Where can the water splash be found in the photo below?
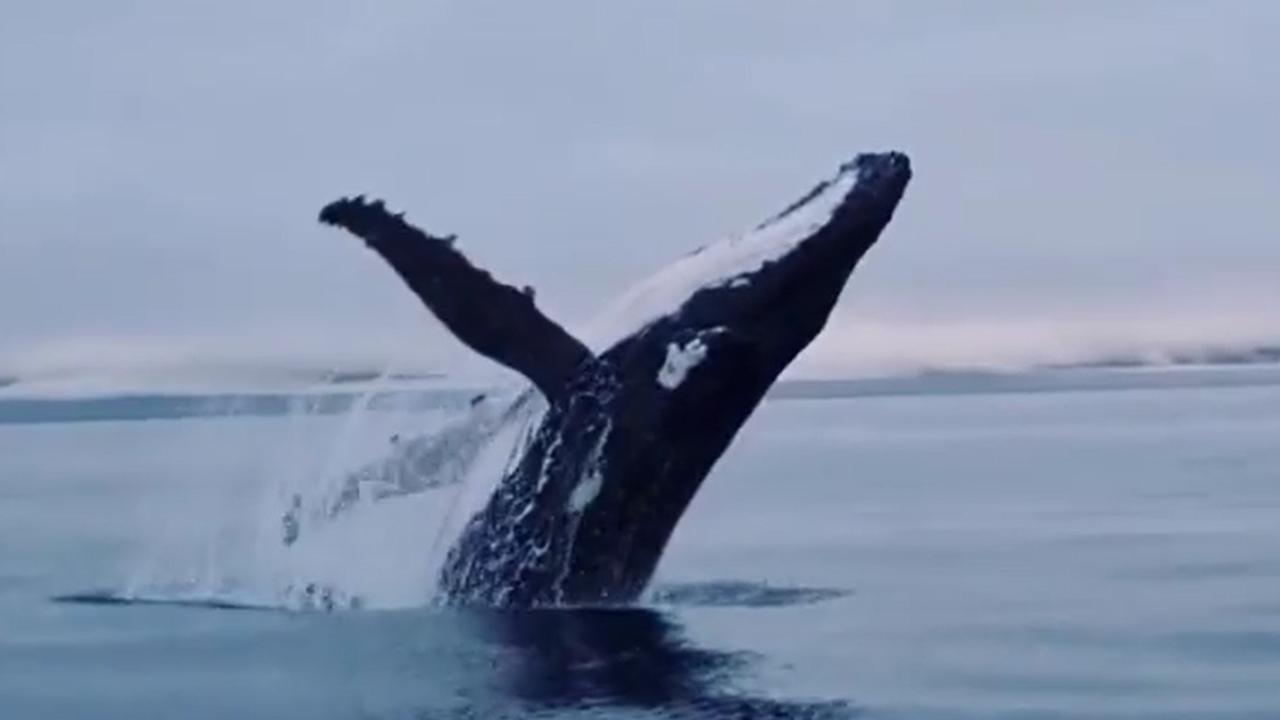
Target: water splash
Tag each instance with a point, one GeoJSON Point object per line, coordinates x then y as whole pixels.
{"type": "Point", "coordinates": [374, 495]}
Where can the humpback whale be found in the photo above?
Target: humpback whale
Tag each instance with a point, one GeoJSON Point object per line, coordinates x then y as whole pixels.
{"type": "Point", "coordinates": [633, 422]}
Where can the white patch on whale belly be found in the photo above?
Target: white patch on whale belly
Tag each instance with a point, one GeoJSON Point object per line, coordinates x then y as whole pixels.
{"type": "Point", "coordinates": [586, 491]}
{"type": "Point", "coordinates": [680, 360]}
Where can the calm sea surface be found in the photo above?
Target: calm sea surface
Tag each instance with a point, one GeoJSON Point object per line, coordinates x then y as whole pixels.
{"type": "Point", "coordinates": [1107, 553]}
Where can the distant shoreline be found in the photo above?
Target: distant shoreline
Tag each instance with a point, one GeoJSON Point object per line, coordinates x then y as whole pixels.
{"type": "Point", "coordinates": [341, 397]}
{"type": "Point", "coordinates": [305, 378]}
{"type": "Point", "coordinates": [1259, 355]}
{"type": "Point", "coordinates": [1077, 378]}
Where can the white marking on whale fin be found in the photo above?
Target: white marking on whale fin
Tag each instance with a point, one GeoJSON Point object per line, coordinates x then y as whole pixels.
{"type": "Point", "coordinates": [586, 491]}
{"type": "Point", "coordinates": [680, 360]}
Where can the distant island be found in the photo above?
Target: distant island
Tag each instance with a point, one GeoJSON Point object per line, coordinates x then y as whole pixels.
{"type": "Point", "coordinates": [1259, 355]}
{"type": "Point", "coordinates": [274, 388]}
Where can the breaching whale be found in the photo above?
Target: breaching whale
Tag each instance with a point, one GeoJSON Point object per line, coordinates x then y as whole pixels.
{"type": "Point", "coordinates": [631, 427]}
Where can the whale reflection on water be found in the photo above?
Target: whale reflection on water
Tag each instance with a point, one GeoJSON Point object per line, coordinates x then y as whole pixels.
{"type": "Point", "coordinates": [604, 661]}
{"type": "Point", "coordinates": [459, 662]}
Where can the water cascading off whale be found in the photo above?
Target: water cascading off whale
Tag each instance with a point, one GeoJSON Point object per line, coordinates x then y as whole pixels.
{"type": "Point", "coordinates": [630, 430]}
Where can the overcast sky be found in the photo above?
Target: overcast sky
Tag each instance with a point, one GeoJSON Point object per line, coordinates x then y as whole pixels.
{"type": "Point", "coordinates": [1086, 172]}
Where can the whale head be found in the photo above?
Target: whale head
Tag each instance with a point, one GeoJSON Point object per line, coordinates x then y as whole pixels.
{"type": "Point", "coordinates": [712, 332]}
{"type": "Point", "coordinates": [733, 314]}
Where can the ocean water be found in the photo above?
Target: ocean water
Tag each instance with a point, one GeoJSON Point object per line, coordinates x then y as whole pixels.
{"type": "Point", "coordinates": [1105, 552]}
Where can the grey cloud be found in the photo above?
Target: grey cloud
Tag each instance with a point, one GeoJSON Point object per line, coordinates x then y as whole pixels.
{"type": "Point", "coordinates": [161, 163]}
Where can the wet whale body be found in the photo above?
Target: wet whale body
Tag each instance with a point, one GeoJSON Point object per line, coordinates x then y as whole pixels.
{"type": "Point", "coordinates": [631, 428]}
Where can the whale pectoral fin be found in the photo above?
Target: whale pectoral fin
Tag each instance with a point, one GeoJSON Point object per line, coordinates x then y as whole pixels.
{"type": "Point", "coordinates": [498, 321]}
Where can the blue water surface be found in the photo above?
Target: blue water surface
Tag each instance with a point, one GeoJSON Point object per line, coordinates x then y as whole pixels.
{"type": "Point", "coordinates": [1097, 553]}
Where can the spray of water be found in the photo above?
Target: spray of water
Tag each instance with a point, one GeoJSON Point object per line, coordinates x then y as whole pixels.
{"type": "Point", "coordinates": [356, 509]}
